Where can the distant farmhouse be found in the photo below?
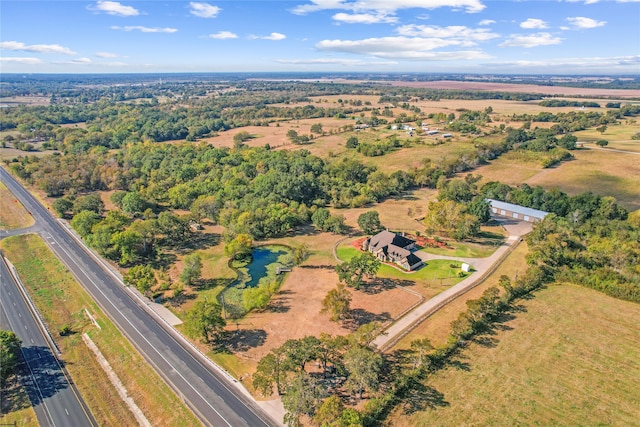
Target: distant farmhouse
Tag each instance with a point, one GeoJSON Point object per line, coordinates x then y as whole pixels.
{"type": "Point", "coordinates": [392, 247]}
{"type": "Point", "coordinates": [516, 211]}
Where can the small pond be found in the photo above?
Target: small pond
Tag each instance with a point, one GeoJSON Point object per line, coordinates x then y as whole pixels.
{"type": "Point", "coordinates": [265, 260]}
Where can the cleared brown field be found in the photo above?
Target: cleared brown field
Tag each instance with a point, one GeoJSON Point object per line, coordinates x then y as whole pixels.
{"type": "Point", "coordinates": [12, 213]}
{"type": "Point", "coordinates": [521, 88]}
{"type": "Point", "coordinates": [570, 356]}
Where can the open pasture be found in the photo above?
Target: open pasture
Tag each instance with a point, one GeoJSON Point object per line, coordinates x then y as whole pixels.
{"type": "Point", "coordinates": [569, 356]}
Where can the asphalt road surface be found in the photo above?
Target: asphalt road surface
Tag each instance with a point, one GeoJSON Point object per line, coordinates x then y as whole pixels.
{"type": "Point", "coordinates": [208, 392]}
{"type": "Point", "coordinates": [54, 400]}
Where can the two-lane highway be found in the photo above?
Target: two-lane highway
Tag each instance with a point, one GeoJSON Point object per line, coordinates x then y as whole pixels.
{"type": "Point", "coordinates": [209, 393]}
{"type": "Point", "coordinates": [54, 399]}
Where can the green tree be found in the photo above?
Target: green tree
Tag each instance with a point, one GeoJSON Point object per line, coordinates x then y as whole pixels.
{"type": "Point", "coordinates": [363, 366]}
{"type": "Point", "coordinates": [271, 370]}
{"type": "Point", "coordinates": [258, 297]}
{"type": "Point", "coordinates": [300, 352]}
{"type": "Point", "coordinates": [241, 137]}
{"type": "Point", "coordinates": [369, 222]}
{"type": "Point", "coordinates": [303, 397]}
{"type": "Point", "coordinates": [9, 355]}
{"type": "Point", "coordinates": [602, 129]}
{"type": "Point", "coordinates": [316, 128]}
{"type": "Point", "coordinates": [335, 224]}
{"type": "Point", "coordinates": [240, 247]}
{"type": "Point", "coordinates": [352, 273]}
{"type": "Point", "coordinates": [141, 277]}
{"type": "Point", "coordinates": [337, 302]}
{"type": "Point", "coordinates": [90, 202]}
{"type": "Point", "coordinates": [300, 253]}
{"type": "Point", "coordinates": [421, 349]}
{"type": "Point", "coordinates": [62, 206]}
{"type": "Point", "coordinates": [602, 143]}
{"type": "Point", "coordinates": [84, 221]}
{"type": "Point", "coordinates": [329, 412]}
{"type": "Point", "coordinates": [352, 142]}
{"type": "Point", "coordinates": [205, 320]}
{"type": "Point", "coordinates": [133, 203]}
{"type": "Point", "coordinates": [116, 198]}
{"type": "Point", "coordinates": [292, 135]}
{"type": "Point", "coordinates": [127, 244]}
{"type": "Point", "coordinates": [192, 269]}
{"type": "Point", "coordinates": [568, 141]}
{"type": "Point", "coordinates": [205, 207]}
{"type": "Point", "coordinates": [320, 216]}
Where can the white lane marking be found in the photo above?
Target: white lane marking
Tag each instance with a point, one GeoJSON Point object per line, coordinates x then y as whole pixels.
{"type": "Point", "coordinates": [142, 335]}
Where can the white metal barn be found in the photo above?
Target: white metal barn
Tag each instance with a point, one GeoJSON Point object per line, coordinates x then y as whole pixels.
{"type": "Point", "coordinates": [518, 212]}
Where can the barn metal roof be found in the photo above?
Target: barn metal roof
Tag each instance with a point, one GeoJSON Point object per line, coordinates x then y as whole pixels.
{"type": "Point", "coordinates": [535, 213]}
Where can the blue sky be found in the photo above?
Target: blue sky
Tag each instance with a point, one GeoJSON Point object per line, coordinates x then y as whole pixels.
{"type": "Point", "coordinates": [474, 36]}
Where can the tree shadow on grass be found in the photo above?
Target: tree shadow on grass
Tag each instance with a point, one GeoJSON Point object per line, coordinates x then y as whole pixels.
{"type": "Point", "coordinates": [419, 397]}
{"type": "Point", "coordinates": [280, 302]}
{"type": "Point", "coordinates": [242, 340]}
{"type": "Point", "coordinates": [359, 317]}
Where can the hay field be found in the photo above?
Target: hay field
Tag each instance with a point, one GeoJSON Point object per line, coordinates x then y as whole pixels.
{"type": "Point", "coordinates": [571, 356]}
{"type": "Point", "coordinates": [606, 173]}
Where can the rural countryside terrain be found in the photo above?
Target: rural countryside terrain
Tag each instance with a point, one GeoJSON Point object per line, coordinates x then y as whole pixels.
{"type": "Point", "coordinates": [320, 249]}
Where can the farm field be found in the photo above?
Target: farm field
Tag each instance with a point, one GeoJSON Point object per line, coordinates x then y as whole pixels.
{"type": "Point", "coordinates": [535, 367]}
{"type": "Point", "coordinates": [603, 172]}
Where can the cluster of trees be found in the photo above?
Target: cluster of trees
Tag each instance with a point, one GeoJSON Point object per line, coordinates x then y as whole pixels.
{"type": "Point", "coordinates": [9, 355]}
{"type": "Point", "coordinates": [566, 103]}
{"type": "Point", "coordinates": [348, 365]}
{"type": "Point", "coordinates": [459, 210]}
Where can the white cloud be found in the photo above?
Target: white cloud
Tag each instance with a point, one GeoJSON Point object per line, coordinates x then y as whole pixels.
{"type": "Point", "coordinates": [628, 1]}
{"type": "Point", "coordinates": [597, 62]}
{"type": "Point", "coordinates": [145, 29]}
{"type": "Point", "coordinates": [272, 36]}
{"type": "Point", "coordinates": [21, 60]}
{"type": "Point", "coordinates": [532, 23]}
{"type": "Point", "coordinates": [458, 32]}
{"type": "Point", "coordinates": [530, 40]}
{"type": "Point", "coordinates": [204, 10]}
{"type": "Point", "coordinates": [81, 61]}
{"type": "Point", "coordinates": [114, 8]}
{"type": "Point", "coordinates": [409, 48]}
{"type": "Point", "coordinates": [386, 6]}
{"type": "Point", "coordinates": [364, 18]}
{"type": "Point", "coordinates": [486, 22]}
{"type": "Point", "coordinates": [39, 48]}
{"type": "Point", "coordinates": [105, 55]}
{"type": "Point", "coordinates": [334, 61]}
{"type": "Point", "coordinates": [221, 35]}
{"type": "Point", "coordinates": [582, 22]}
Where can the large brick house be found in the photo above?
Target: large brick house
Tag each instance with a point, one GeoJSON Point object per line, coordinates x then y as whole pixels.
{"type": "Point", "coordinates": [392, 247]}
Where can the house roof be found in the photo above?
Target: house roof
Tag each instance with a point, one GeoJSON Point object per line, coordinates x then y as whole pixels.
{"type": "Point", "coordinates": [386, 238]}
{"type": "Point", "coordinates": [535, 213]}
{"type": "Point", "coordinates": [413, 259]}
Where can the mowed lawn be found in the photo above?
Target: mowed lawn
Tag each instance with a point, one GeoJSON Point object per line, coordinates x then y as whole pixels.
{"type": "Point", "coordinates": [571, 357]}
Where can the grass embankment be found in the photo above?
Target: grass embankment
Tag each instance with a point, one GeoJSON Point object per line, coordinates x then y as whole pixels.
{"type": "Point", "coordinates": [569, 357]}
{"type": "Point", "coordinates": [12, 213]}
{"type": "Point", "coordinates": [63, 302]}
{"type": "Point", "coordinates": [437, 327]}
{"type": "Point", "coordinates": [16, 408]}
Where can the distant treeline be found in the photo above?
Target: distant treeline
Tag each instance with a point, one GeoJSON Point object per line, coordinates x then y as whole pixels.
{"type": "Point", "coordinates": [565, 103]}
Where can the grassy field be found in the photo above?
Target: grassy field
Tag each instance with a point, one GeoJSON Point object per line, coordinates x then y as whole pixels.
{"type": "Point", "coordinates": [437, 326]}
{"type": "Point", "coordinates": [603, 172]}
{"type": "Point", "coordinates": [63, 302]}
{"type": "Point", "coordinates": [569, 357]}
{"type": "Point", "coordinates": [16, 408]}
{"type": "Point", "coordinates": [12, 213]}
